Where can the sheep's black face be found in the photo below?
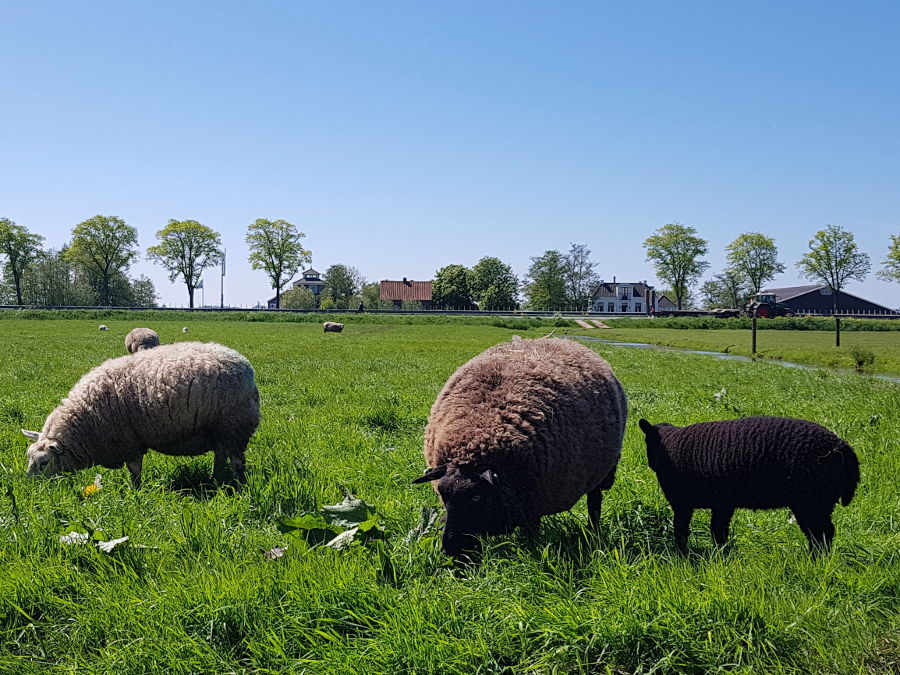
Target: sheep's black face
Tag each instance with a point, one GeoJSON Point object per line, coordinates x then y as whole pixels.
{"type": "Point", "coordinates": [474, 508]}
{"type": "Point", "coordinates": [655, 452]}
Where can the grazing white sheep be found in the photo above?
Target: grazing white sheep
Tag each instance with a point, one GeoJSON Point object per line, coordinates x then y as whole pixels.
{"type": "Point", "coordinates": [103, 326]}
{"type": "Point", "coordinates": [181, 399]}
{"type": "Point", "coordinates": [184, 330]}
{"type": "Point", "coordinates": [332, 327]}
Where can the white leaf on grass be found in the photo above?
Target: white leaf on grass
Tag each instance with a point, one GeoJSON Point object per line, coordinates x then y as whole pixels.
{"type": "Point", "coordinates": [343, 540]}
{"type": "Point", "coordinates": [74, 538]}
{"type": "Point", "coordinates": [108, 546]}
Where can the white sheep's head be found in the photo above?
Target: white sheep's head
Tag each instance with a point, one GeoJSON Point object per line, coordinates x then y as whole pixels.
{"type": "Point", "coordinates": [44, 455]}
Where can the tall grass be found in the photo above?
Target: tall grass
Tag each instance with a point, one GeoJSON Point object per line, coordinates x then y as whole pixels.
{"type": "Point", "coordinates": [192, 591]}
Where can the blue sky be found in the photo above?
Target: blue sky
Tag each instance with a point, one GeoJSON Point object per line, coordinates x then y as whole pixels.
{"type": "Point", "coordinates": [401, 136]}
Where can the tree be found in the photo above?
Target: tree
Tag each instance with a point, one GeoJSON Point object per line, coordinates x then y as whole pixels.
{"type": "Point", "coordinates": [493, 284]}
{"type": "Point", "coordinates": [275, 248]}
{"type": "Point", "coordinates": [728, 289]}
{"type": "Point", "coordinates": [185, 249]}
{"type": "Point", "coordinates": [675, 251]}
{"type": "Point", "coordinates": [834, 259]}
{"type": "Point", "coordinates": [545, 285]}
{"type": "Point", "coordinates": [371, 297]}
{"type": "Point", "coordinates": [890, 270]}
{"type": "Point", "coordinates": [581, 279]}
{"type": "Point", "coordinates": [342, 283]}
{"type": "Point", "coordinates": [20, 247]}
{"type": "Point", "coordinates": [755, 257]}
{"type": "Point", "coordinates": [450, 288]}
{"type": "Point", "coordinates": [298, 298]}
{"type": "Point", "coordinates": [143, 292]}
{"type": "Point", "coordinates": [104, 246]}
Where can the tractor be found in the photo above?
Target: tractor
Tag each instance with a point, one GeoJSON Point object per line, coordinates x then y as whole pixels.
{"type": "Point", "coordinates": [765, 306]}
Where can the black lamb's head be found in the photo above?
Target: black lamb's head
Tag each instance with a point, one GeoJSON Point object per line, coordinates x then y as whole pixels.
{"type": "Point", "coordinates": [474, 504]}
{"type": "Point", "coordinates": [656, 453]}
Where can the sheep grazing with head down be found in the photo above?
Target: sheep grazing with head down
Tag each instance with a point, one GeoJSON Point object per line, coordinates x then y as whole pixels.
{"type": "Point", "coordinates": [522, 431]}
{"type": "Point", "coordinates": [141, 338]}
{"type": "Point", "coordinates": [103, 326]}
{"type": "Point", "coordinates": [332, 327]}
{"type": "Point", "coordinates": [181, 399]}
{"type": "Point", "coordinates": [753, 463]}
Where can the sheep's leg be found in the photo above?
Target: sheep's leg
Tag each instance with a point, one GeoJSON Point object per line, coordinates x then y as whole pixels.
{"type": "Point", "coordinates": [594, 504]}
{"type": "Point", "coordinates": [818, 528]}
{"type": "Point", "coordinates": [682, 522]}
{"type": "Point", "coordinates": [237, 465]}
{"type": "Point", "coordinates": [721, 519]}
{"type": "Point", "coordinates": [532, 528]}
{"type": "Point", "coordinates": [134, 467]}
{"type": "Point", "coordinates": [220, 466]}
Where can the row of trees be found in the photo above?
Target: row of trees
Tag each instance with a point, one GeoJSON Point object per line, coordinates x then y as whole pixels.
{"type": "Point", "coordinates": [93, 268]}
{"type": "Point", "coordinates": [833, 260]}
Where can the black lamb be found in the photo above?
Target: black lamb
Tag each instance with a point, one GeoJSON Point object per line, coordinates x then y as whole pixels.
{"type": "Point", "coordinates": [754, 463]}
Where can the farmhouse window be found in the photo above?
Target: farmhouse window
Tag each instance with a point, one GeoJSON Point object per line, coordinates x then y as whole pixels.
{"type": "Point", "coordinates": [610, 307]}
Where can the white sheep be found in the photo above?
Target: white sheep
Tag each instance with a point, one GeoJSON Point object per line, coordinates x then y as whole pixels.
{"type": "Point", "coordinates": [332, 327]}
{"type": "Point", "coordinates": [103, 326]}
{"type": "Point", "coordinates": [180, 399]}
{"type": "Point", "coordinates": [184, 330]}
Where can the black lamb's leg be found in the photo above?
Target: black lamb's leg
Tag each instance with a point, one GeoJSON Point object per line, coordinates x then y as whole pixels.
{"type": "Point", "coordinates": [594, 504]}
{"type": "Point", "coordinates": [134, 468]}
{"type": "Point", "coordinates": [682, 522]}
{"type": "Point", "coordinates": [818, 528]}
{"type": "Point", "coordinates": [721, 518]}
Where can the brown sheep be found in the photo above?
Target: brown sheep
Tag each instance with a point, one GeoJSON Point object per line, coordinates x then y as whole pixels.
{"type": "Point", "coordinates": [522, 431]}
{"type": "Point", "coordinates": [141, 338]}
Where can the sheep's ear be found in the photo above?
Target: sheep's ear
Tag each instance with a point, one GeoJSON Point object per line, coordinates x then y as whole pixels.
{"type": "Point", "coordinates": [33, 435]}
{"type": "Point", "coordinates": [646, 427]}
{"type": "Point", "coordinates": [432, 474]}
{"type": "Point", "coordinates": [489, 476]}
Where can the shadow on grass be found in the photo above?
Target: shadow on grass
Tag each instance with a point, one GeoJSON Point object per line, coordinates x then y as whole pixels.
{"type": "Point", "coordinates": [194, 480]}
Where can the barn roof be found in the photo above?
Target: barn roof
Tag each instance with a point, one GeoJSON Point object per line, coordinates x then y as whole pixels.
{"type": "Point", "coordinates": [405, 290]}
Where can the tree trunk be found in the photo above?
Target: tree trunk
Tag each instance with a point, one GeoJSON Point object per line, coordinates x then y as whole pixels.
{"type": "Point", "coordinates": [278, 293]}
{"type": "Point", "coordinates": [17, 279]}
{"type": "Point", "coordinates": [190, 296]}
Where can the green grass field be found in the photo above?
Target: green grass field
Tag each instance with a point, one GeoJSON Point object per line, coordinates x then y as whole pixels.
{"type": "Point", "coordinates": [799, 346]}
{"type": "Point", "coordinates": [192, 592]}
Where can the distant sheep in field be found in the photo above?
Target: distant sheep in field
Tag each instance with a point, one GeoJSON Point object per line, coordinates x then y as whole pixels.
{"type": "Point", "coordinates": [754, 463]}
{"type": "Point", "coordinates": [332, 327]}
{"type": "Point", "coordinates": [522, 431]}
{"type": "Point", "coordinates": [103, 326]}
{"type": "Point", "coordinates": [141, 338]}
{"type": "Point", "coordinates": [180, 399]}
{"type": "Point", "coordinates": [184, 330]}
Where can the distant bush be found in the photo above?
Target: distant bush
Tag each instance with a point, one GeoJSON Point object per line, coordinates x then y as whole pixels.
{"type": "Point", "coordinates": [861, 356]}
{"type": "Point", "coordinates": [744, 323]}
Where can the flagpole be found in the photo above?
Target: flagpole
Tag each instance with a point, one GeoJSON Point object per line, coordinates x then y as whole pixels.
{"type": "Point", "coordinates": [222, 285]}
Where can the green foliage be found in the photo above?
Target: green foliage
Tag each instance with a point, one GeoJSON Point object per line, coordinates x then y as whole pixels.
{"type": "Point", "coordinates": [545, 285]}
{"type": "Point", "coordinates": [890, 270]}
{"type": "Point", "coordinates": [18, 249]}
{"type": "Point", "coordinates": [370, 296]}
{"type": "Point", "coordinates": [450, 288]}
{"type": "Point", "coordinates": [862, 356]}
{"type": "Point", "coordinates": [104, 246]}
{"type": "Point", "coordinates": [728, 289]}
{"type": "Point", "coordinates": [193, 590]}
{"type": "Point", "coordinates": [754, 257]}
{"type": "Point", "coordinates": [581, 277]}
{"type": "Point", "coordinates": [834, 259]}
{"type": "Point", "coordinates": [493, 284]}
{"type": "Point", "coordinates": [342, 286]}
{"type": "Point", "coordinates": [298, 298]}
{"type": "Point", "coordinates": [185, 249]}
{"type": "Point", "coordinates": [276, 249]}
{"type": "Point", "coordinates": [675, 252]}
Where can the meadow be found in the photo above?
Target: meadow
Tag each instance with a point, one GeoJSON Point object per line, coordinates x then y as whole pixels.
{"type": "Point", "coordinates": [192, 590]}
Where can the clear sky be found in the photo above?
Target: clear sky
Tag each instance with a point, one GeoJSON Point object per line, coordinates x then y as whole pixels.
{"type": "Point", "coordinates": [404, 136]}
